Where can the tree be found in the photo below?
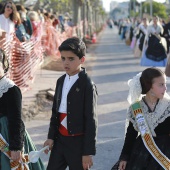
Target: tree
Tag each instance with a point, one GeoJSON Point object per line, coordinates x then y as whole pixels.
{"type": "Point", "coordinates": [158, 9]}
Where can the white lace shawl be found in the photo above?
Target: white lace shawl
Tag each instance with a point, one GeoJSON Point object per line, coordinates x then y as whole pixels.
{"type": "Point", "coordinates": [5, 84]}
{"type": "Point", "coordinates": [162, 111]}
{"type": "Point", "coordinates": [143, 28]}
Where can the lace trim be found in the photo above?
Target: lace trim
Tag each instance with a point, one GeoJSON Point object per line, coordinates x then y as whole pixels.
{"type": "Point", "coordinates": [162, 111]}
{"type": "Point", "coordinates": [143, 29]}
{"type": "Point", "coordinates": [5, 84]}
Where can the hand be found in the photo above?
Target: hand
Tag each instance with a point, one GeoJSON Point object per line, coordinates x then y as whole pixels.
{"type": "Point", "coordinates": [87, 162]}
{"type": "Point", "coordinates": [50, 143]}
{"type": "Point", "coordinates": [16, 156]}
{"type": "Point", "coordinates": [122, 165]}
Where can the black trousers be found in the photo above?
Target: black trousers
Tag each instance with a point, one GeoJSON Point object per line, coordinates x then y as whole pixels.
{"type": "Point", "coordinates": [66, 152]}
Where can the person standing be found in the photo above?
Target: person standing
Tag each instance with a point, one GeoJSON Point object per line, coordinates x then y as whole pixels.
{"type": "Point", "coordinates": [147, 140]}
{"type": "Point", "coordinates": [73, 124]}
{"type": "Point", "coordinates": [8, 17]}
{"type": "Point", "coordinates": [12, 127]}
{"type": "Point", "coordinates": [154, 49]}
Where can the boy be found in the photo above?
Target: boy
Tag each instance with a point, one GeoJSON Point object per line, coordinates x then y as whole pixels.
{"type": "Point", "coordinates": [73, 124]}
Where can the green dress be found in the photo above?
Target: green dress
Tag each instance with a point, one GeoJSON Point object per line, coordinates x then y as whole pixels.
{"type": "Point", "coordinates": [28, 147]}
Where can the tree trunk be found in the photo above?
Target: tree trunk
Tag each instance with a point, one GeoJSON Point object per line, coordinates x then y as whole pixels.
{"type": "Point", "coordinates": [76, 14]}
{"type": "Point", "coordinates": [21, 2]}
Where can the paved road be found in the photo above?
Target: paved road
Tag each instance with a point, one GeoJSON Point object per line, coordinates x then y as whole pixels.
{"type": "Point", "coordinates": [110, 65]}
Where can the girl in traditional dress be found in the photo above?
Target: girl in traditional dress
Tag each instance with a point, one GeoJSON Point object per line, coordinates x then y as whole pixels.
{"type": "Point", "coordinates": [12, 127]}
{"type": "Point", "coordinates": [142, 30]}
{"type": "Point", "coordinates": [8, 18]}
{"type": "Point", "coordinates": [154, 49]}
{"type": "Point", "coordinates": [148, 91]}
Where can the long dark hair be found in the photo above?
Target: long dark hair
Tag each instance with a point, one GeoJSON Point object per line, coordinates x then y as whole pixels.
{"type": "Point", "coordinates": [12, 16]}
{"type": "Point", "coordinates": [147, 77]}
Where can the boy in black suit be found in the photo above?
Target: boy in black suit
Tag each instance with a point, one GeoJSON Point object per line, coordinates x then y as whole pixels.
{"type": "Point", "coordinates": [73, 124]}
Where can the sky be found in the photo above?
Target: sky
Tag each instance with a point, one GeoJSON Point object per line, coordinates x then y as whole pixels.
{"type": "Point", "coordinates": [106, 3]}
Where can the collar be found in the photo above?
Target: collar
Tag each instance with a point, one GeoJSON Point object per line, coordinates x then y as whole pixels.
{"type": "Point", "coordinates": [80, 74]}
{"type": "Point", "coordinates": [5, 84]}
{"type": "Point", "coordinates": [161, 112]}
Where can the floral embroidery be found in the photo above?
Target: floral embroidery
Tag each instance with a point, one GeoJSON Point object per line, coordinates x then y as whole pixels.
{"type": "Point", "coordinates": [161, 112]}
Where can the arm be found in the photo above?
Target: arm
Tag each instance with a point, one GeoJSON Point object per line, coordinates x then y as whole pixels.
{"type": "Point", "coordinates": [90, 117]}
{"type": "Point", "coordinates": [53, 129]}
{"type": "Point", "coordinates": [89, 144]}
{"type": "Point", "coordinates": [29, 26]}
{"type": "Point", "coordinates": [52, 133]}
{"type": "Point", "coordinates": [130, 138]}
{"type": "Point", "coordinates": [15, 124]}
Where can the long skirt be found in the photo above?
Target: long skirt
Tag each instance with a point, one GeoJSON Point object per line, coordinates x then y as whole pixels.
{"type": "Point", "coordinates": [148, 62]}
{"type": "Point", "coordinates": [156, 49]}
{"type": "Point", "coordinates": [28, 147]}
{"type": "Point", "coordinates": [141, 159]}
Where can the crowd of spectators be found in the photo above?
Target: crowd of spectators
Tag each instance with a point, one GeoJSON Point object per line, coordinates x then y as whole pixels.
{"type": "Point", "coordinates": [27, 36]}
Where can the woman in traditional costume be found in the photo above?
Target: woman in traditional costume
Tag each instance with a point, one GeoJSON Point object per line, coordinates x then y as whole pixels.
{"type": "Point", "coordinates": [147, 140]}
{"type": "Point", "coordinates": [140, 36]}
{"type": "Point", "coordinates": [154, 50]}
{"type": "Point", "coordinates": [142, 32]}
{"type": "Point", "coordinates": [12, 127]}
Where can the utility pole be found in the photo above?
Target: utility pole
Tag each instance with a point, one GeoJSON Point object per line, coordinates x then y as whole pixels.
{"type": "Point", "coordinates": [76, 6]}
{"type": "Point", "coordinates": [130, 5]}
{"type": "Point", "coordinates": [151, 8]}
{"type": "Point", "coordinates": [134, 5]}
{"type": "Point", "coordinates": [84, 18]}
{"type": "Point", "coordinates": [141, 9]}
{"type": "Point", "coordinates": [21, 2]}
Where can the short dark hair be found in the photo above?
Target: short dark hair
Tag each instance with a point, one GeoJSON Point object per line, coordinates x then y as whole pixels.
{"type": "Point", "coordinates": [75, 45]}
{"type": "Point", "coordinates": [147, 77]}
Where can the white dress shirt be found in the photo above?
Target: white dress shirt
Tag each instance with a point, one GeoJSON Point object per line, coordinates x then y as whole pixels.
{"type": "Point", "coordinates": [68, 83]}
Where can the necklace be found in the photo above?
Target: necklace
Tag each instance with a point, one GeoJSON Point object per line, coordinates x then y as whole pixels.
{"type": "Point", "coordinates": [150, 104]}
{"type": "Point", "coordinates": [153, 106]}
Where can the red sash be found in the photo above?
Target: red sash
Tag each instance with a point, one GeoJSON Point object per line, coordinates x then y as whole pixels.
{"type": "Point", "coordinates": [62, 129]}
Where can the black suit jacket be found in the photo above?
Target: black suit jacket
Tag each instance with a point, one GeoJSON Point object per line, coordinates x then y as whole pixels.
{"type": "Point", "coordinates": [81, 111]}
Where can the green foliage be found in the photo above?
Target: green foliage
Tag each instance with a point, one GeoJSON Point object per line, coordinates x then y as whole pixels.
{"type": "Point", "coordinates": [133, 13]}
{"type": "Point", "coordinates": [158, 9]}
{"type": "Point", "coordinates": [61, 5]}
